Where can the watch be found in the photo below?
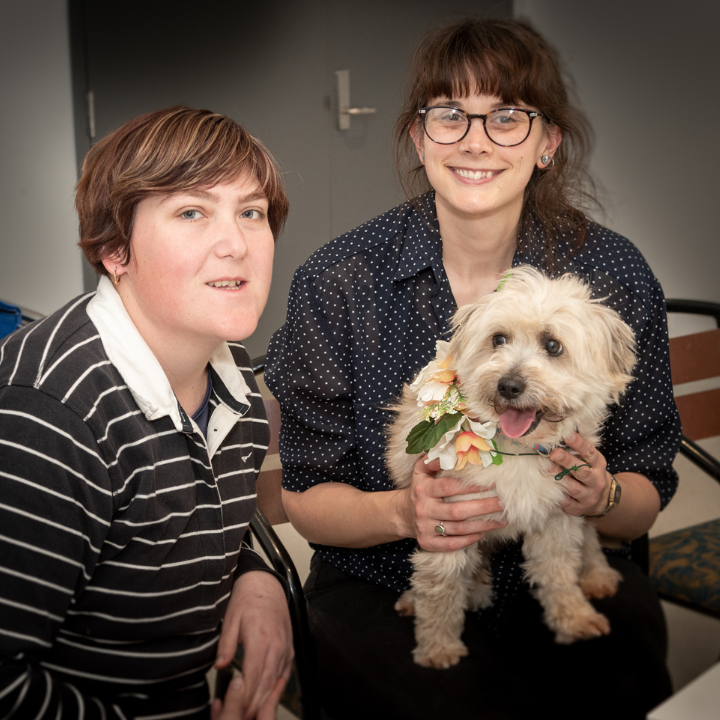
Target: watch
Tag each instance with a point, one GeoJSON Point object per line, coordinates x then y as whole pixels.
{"type": "Point", "coordinates": [613, 498]}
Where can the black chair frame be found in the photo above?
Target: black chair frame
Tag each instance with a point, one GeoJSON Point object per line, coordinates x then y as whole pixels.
{"type": "Point", "coordinates": [281, 562]}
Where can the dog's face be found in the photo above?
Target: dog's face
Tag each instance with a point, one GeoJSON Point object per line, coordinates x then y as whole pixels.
{"type": "Point", "coordinates": [541, 358]}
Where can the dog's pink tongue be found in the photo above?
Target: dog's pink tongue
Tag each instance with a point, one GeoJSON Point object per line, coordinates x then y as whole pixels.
{"type": "Point", "coordinates": [515, 423]}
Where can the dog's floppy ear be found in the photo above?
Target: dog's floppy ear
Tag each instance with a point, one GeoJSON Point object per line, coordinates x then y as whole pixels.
{"type": "Point", "coordinates": [617, 346]}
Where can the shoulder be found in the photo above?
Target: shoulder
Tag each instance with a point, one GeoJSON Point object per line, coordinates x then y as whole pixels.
{"type": "Point", "coordinates": [620, 276]}
{"type": "Point", "coordinates": [60, 356]}
{"type": "Point", "coordinates": [614, 255]}
{"type": "Point", "coordinates": [30, 355]}
{"type": "Point", "coordinates": [372, 238]}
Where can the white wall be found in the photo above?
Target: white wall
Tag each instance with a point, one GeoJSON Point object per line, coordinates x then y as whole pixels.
{"type": "Point", "coordinates": [646, 74]}
{"type": "Point", "coordinates": [40, 264]}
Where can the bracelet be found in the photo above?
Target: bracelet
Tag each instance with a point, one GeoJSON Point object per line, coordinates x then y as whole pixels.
{"type": "Point", "coordinates": [613, 497]}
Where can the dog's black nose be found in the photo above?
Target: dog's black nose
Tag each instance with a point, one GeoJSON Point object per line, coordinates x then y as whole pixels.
{"type": "Point", "coordinates": [511, 386]}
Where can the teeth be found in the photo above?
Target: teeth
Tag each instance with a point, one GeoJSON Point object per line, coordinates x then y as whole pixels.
{"type": "Point", "coordinates": [226, 283]}
{"type": "Point", "coordinates": [478, 175]}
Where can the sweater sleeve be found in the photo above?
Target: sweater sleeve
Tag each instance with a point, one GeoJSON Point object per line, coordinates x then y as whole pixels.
{"type": "Point", "coordinates": [644, 433]}
{"type": "Point", "coordinates": [55, 508]}
{"type": "Point", "coordinates": [309, 370]}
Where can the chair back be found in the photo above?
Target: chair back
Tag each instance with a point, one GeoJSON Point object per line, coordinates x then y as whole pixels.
{"type": "Point", "coordinates": [269, 489]}
{"type": "Point", "coordinates": [692, 358]}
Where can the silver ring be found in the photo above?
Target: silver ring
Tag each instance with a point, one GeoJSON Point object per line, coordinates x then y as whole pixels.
{"type": "Point", "coordinates": [440, 529]}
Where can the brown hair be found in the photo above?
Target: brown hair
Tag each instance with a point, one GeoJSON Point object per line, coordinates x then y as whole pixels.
{"type": "Point", "coordinates": [508, 59]}
{"type": "Point", "coordinates": [166, 151]}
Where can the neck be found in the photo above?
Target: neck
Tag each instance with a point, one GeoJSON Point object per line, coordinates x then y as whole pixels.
{"type": "Point", "coordinates": [184, 362]}
{"type": "Point", "coordinates": [477, 251]}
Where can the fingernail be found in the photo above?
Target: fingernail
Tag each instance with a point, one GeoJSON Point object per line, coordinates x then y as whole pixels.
{"type": "Point", "coordinates": [570, 437]}
{"type": "Point", "coordinates": [219, 660]}
{"type": "Point", "coordinates": [236, 683]}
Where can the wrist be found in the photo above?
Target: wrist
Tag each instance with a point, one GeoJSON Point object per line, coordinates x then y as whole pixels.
{"type": "Point", "coordinates": [402, 516]}
{"type": "Point", "coordinates": [612, 498]}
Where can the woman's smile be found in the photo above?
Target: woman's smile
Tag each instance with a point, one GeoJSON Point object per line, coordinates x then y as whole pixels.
{"type": "Point", "coordinates": [467, 174]}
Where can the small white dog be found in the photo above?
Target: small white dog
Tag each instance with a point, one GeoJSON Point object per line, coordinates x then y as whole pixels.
{"type": "Point", "coordinates": [527, 365]}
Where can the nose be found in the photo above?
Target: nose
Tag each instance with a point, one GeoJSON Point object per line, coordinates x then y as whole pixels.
{"type": "Point", "coordinates": [511, 386]}
{"type": "Point", "coordinates": [476, 139]}
{"type": "Point", "coordinates": [230, 238]}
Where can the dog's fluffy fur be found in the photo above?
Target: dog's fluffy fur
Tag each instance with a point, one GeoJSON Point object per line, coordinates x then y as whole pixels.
{"type": "Point", "coordinates": [569, 392]}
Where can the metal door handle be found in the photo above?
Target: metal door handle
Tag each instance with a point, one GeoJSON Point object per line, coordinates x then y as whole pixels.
{"type": "Point", "coordinates": [359, 111]}
{"type": "Point", "coordinates": [344, 109]}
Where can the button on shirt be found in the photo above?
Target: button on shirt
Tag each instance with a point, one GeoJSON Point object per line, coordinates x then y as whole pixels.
{"type": "Point", "coordinates": [364, 314]}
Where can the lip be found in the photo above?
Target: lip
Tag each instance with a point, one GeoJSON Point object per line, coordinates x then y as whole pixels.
{"type": "Point", "coordinates": [475, 175]}
{"type": "Point", "coordinates": [229, 284]}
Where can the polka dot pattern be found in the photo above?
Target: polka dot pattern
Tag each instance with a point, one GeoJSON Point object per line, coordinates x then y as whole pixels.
{"type": "Point", "coordinates": [363, 316]}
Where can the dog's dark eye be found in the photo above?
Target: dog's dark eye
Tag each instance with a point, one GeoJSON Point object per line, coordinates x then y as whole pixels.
{"type": "Point", "coordinates": [553, 347]}
{"type": "Point", "coordinates": [499, 340]}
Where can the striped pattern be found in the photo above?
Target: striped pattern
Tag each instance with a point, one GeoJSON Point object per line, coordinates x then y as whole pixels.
{"type": "Point", "coordinates": [119, 537]}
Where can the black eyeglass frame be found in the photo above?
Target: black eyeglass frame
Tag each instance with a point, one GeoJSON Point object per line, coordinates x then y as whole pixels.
{"type": "Point", "coordinates": [532, 114]}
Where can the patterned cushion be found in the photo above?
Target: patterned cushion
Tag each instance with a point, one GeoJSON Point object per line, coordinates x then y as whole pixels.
{"type": "Point", "coordinates": [685, 565]}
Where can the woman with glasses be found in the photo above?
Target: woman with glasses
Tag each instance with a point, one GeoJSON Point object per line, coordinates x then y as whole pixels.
{"type": "Point", "coordinates": [492, 154]}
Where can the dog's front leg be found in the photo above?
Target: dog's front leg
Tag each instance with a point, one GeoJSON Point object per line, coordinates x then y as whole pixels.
{"type": "Point", "coordinates": [440, 587]}
{"type": "Point", "coordinates": [553, 561]}
{"type": "Point", "coordinates": [597, 578]}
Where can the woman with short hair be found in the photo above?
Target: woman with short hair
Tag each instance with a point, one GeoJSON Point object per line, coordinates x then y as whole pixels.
{"type": "Point", "coordinates": [131, 433]}
{"type": "Point", "coordinates": [490, 140]}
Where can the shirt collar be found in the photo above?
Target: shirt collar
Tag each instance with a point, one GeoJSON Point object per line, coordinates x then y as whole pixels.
{"type": "Point", "coordinates": [422, 247]}
{"type": "Point", "coordinates": [142, 372]}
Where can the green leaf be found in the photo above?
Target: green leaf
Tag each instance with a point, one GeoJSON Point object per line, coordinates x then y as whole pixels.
{"type": "Point", "coordinates": [427, 434]}
{"type": "Point", "coordinates": [496, 457]}
{"type": "Point", "coordinates": [415, 437]}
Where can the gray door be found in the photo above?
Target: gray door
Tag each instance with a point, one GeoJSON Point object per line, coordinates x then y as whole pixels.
{"type": "Point", "coordinates": [271, 66]}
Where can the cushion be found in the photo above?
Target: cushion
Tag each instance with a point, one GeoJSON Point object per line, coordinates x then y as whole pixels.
{"type": "Point", "coordinates": [685, 565]}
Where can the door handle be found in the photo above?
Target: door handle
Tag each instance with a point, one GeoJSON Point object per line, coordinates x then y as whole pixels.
{"type": "Point", "coordinates": [345, 112]}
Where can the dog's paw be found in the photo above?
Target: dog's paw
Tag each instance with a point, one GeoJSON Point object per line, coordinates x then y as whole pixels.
{"type": "Point", "coordinates": [405, 605]}
{"type": "Point", "coordinates": [441, 658]}
{"type": "Point", "coordinates": [600, 582]}
{"type": "Point", "coordinates": [584, 625]}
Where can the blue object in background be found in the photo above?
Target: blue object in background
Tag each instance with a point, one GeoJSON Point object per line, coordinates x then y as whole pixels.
{"type": "Point", "coordinates": [10, 318]}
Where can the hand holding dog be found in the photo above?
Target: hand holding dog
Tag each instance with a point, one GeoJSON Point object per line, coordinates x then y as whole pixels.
{"type": "Point", "coordinates": [464, 522]}
{"type": "Point", "coordinates": [587, 488]}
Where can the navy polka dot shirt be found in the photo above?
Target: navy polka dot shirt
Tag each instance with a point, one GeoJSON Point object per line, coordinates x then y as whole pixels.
{"type": "Point", "coordinates": [363, 316]}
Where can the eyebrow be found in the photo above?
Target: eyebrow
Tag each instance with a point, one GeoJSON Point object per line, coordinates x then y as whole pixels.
{"type": "Point", "coordinates": [459, 104]}
{"type": "Point", "coordinates": [214, 197]}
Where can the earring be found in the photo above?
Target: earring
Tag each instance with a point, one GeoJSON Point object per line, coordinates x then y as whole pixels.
{"type": "Point", "coordinates": [116, 279]}
{"type": "Point", "coordinates": [545, 159]}
{"type": "Point", "coordinates": [423, 156]}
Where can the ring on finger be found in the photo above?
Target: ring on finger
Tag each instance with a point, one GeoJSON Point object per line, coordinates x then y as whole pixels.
{"type": "Point", "coordinates": [569, 470]}
{"type": "Point", "coordinates": [440, 528]}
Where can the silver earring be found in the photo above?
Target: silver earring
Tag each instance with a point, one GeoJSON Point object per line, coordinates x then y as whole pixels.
{"type": "Point", "coordinates": [423, 156]}
{"type": "Point", "coordinates": [545, 159]}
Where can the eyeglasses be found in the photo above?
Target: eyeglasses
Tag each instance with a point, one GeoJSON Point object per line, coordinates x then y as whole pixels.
{"type": "Point", "coordinates": [505, 127]}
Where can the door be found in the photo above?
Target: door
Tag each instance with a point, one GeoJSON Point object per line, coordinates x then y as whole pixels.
{"type": "Point", "coordinates": [270, 66]}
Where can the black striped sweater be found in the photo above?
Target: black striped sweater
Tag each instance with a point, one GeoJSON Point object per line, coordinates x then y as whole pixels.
{"type": "Point", "coordinates": [120, 524]}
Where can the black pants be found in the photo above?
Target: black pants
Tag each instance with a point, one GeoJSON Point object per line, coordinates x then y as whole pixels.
{"type": "Point", "coordinates": [514, 670]}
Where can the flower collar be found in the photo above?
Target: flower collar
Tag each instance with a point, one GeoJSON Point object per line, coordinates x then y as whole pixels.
{"type": "Point", "coordinates": [446, 432]}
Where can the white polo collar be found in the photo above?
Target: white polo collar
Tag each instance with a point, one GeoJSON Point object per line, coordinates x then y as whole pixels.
{"type": "Point", "coordinates": [139, 367]}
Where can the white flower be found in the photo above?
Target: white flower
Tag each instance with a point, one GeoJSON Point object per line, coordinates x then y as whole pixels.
{"type": "Point", "coordinates": [433, 391]}
{"type": "Point", "coordinates": [484, 430]}
{"type": "Point", "coordinates": [445, 449]}
{"type": "Point", "coordinates": [434, 366]}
